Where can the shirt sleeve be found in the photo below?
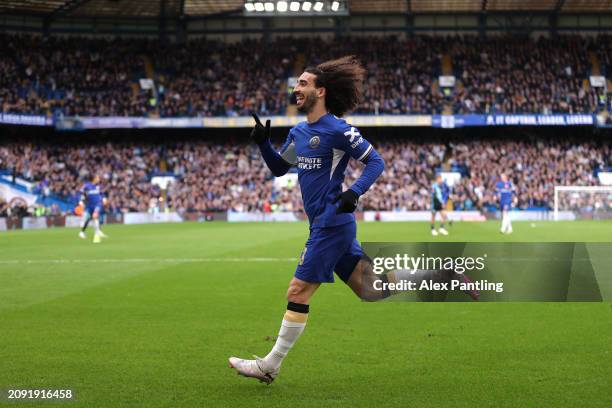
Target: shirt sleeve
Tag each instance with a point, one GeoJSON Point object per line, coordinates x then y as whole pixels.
{"type": "Point", "coordinates": [351, 142]}
{"type": "Point", "coordinates": [287, 151]}
{"type": "Point", "coordinates": [279, 162]}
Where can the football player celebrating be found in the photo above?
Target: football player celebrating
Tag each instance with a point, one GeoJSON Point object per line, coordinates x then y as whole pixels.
{"type": "Point", "coordinates": [321, 148]}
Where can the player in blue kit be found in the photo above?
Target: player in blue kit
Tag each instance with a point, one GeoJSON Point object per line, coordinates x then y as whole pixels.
{"type": "Point", "coordinates": [93, 201]}
{"type": "Point", "coordinates": [439, 197]}
{"type": "Point", "coordinates": [505, 190]}
{"type": "Point", "coordinates": [321, 148]}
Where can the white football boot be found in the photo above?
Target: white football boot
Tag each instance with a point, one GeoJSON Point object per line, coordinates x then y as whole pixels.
{"type": "Point", "coordinates": [443, 231]}
{"type": "Point", "coordinates": [82, 235]}
{"type": "Point", "coordinates": [434, 232]}
{"type": "Point", "coordinates": [252, 368]}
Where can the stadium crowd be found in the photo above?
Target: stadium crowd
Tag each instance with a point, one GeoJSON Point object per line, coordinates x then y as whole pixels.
{"type": "Point", "coordinates": [231, 176]}
{"type": "Point", "coordinates": [534, 168]}
{"type": "Point", "coordinates": [205, 78]}
{"type": "Point", "coordinates": [73, 76]}
{"type": "Point", "coordinates": [517, 76]}
{"type": "Point", "coordinates": [87, 77]}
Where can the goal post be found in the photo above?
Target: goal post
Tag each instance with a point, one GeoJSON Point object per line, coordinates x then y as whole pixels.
{"type": "Point", "coordinates": [595, 200]}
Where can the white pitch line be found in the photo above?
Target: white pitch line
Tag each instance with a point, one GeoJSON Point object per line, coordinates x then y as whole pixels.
{"type": "Point", "coordinates": [142, 260]}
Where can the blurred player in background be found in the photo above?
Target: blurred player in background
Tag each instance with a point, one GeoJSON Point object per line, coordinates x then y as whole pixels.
{"type": "Point", "coordinates": [439, 198]}
{"type": "Point", "coordinates": [92, 202]}
{"type": "Point", "coordinates": [505, 190]}
{"type": "Point", "coordinates": [320, 148]}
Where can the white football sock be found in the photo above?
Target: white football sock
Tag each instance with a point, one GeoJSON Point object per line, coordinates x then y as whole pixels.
{"type": "Point", "coordinates": [287, 336]}
{"type": "Point", "coordinates": [96, 224]}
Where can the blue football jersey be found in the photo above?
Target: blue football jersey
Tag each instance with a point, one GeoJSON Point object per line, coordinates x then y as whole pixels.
{"type": "Point", "coordinates": [445, 192]}
{"type": "Point", "coordinates": [504, 189]}
{"type": "Point", "coordinates": [93, 196]}
{"type": "Point", "coordinates": [321, 152]}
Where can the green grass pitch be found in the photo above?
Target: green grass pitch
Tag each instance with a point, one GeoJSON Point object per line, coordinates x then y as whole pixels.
{"type": "Point", "coordinates": [149, 317]}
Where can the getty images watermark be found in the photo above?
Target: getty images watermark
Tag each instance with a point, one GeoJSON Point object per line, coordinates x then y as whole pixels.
{"type": "Point", "coordinates": [431, 273]}
{"type": "Point", "coordinates": [487, 271]}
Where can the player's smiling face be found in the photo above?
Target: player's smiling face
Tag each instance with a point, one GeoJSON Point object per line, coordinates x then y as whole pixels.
{"type": "Point", "coordinates": [306, 92]}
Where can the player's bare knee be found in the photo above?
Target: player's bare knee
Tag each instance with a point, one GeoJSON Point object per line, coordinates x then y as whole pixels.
{"type": "Point", "coordinates": [297, 291]}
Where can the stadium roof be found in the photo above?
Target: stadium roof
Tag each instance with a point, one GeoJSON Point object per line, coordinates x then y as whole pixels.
{"type": "Point", "coordinates": [198, 8]}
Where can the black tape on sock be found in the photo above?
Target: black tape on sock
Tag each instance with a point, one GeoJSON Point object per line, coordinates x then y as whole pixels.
{"type": "Point", "coordinates": [297, 307]}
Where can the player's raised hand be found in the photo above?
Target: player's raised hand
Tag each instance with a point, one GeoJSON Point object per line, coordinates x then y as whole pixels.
{"type": "Point", "coordinates": [260, 134]}
{"type": "Point", "coordinates": [348, 201]}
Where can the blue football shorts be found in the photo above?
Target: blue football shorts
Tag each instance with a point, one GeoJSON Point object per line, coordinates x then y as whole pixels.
{"type": "Point", "coordinates": [91, 210]}
{"type": "Point", "coordinates": [328, 250]}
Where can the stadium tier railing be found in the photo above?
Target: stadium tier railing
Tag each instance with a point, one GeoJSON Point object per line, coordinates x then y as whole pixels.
{"type": "Point", "coordinates": [440, 121]}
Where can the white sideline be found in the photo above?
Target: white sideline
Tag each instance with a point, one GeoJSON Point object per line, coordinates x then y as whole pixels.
{"type": "Point", "coordinates": [142, 260]}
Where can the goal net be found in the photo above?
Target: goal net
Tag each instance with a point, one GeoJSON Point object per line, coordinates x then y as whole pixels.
{"type": "Point", "coordinates": [583, 202]}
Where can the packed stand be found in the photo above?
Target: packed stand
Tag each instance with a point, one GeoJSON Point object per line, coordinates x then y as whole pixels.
{"type": "Point", "coordinates": [71, 76]}
{"type": "Point", "coordinates": [222, 177]}
{"type": "Point", "coordinates": [533, 167]}
{"type": "Point", "coordinates": [205, 78]}
{"type": "Point", "coordinates": [518, 75]}
{"type": "Point", "coordinates": [212, 176]}
{"type": "Point", "coordinates": [401, 73]}
{"type": "Point", "coordinates": [61, 170]}
{"type": "Point", "coordinates": [87, 77]}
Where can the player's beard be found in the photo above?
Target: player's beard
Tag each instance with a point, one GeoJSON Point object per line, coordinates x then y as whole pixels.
{"type": "Point", "coordinates": [309, 102]}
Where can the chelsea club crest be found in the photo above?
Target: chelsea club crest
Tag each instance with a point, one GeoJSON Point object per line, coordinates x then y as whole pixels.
{"type": "Point", "coordinates": [314, 142]}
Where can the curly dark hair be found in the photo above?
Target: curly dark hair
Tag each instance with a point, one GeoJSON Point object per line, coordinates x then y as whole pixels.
{"type": "Point", "coordinates": [342, 79]}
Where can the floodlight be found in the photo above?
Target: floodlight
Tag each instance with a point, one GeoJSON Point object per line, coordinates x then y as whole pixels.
{"type": "Point", "coordinates": [281, 6]}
